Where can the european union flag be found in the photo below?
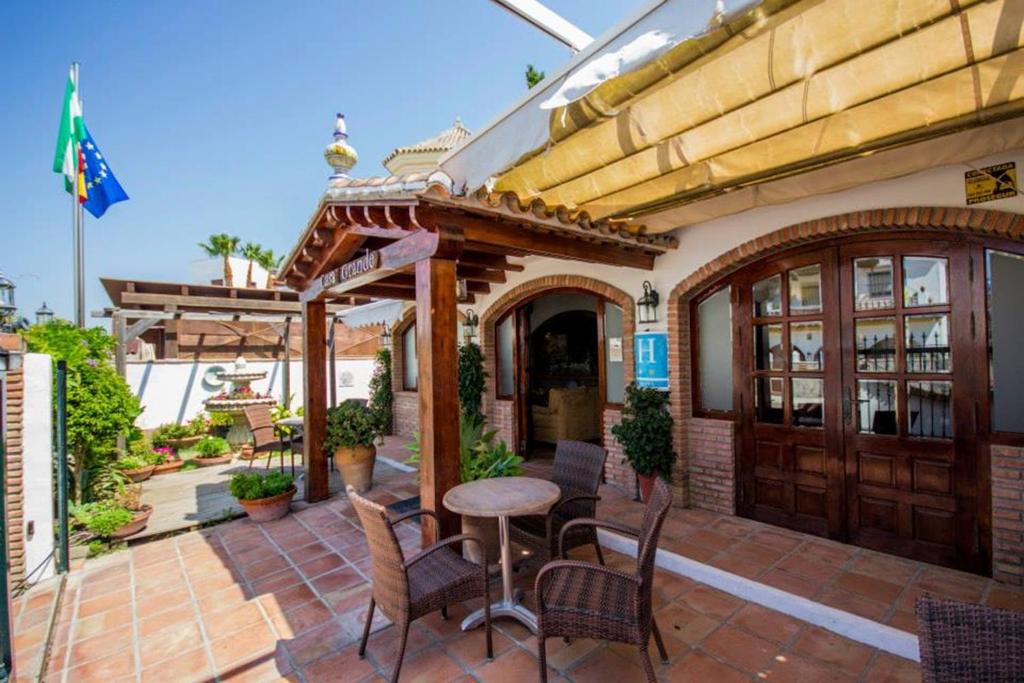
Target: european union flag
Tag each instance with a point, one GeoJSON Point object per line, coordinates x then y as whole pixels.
{"type": "Point", "coordinates": [101, 187]}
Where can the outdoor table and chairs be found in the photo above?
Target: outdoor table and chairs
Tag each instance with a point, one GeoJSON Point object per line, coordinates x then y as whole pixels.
{"type": "Point", "coordinates": [503, 498]}
{"type": "Point", "coordinates": [268, 438]}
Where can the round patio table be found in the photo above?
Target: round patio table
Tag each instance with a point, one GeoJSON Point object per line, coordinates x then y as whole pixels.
{"type": "Point", "coordinates": [503, 498]}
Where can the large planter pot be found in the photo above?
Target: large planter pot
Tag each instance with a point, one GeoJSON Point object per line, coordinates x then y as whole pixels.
{"type": "Point", "coordinates": [168, 467]}
{"type": "Point", "coordinates": [184, 442]}
{"type": "Point", "coordinates": [140, 474]}
{"type": "Point", "coordinates": [646, 485]}
{"type": "Point", "coordinates": [269, 509]}
{"type": "Point", "coordinates": [219, 460]}
{"type": "Point", "coordinates": [486, 529]}
{"type": "Point", "coordinates": [356, 466]}
{"type": "Point", "coordinates": [137, 524]}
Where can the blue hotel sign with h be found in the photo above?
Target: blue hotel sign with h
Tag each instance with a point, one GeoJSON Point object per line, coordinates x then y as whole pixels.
{"type": "Point", "coordinates": [651, 353]}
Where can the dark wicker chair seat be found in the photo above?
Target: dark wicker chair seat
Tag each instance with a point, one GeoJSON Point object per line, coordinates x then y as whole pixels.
{"type": "Point", "coordinates": [577, 470]}
{"type": "Point", "coordinates": [441, 579]}
{"type": "Point", "coordinates": [962, 641]}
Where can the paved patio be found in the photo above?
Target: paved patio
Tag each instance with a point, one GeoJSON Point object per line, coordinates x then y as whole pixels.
{"type": "Point", "coordinates": [32, 614]}
{"type": "Point", "coordinates": [286, 600]}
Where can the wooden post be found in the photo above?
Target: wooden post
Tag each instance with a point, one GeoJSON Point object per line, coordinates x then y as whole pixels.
{"type": "Point", "coordinates": [314, 373]}
{"type": "Point", "coordinates": [436, 350]}
{"type": "Point", "coordinates": [286, 377]}
{"type": "Point", "coordinates": [121, 340]}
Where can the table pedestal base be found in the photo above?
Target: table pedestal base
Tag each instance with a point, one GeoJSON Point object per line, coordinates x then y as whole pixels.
{"type": "Point", "coordinates": [513, 610]}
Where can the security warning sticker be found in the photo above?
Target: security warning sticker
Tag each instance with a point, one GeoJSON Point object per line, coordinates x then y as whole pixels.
{"type": "Point", "coordinates": [991, 182]}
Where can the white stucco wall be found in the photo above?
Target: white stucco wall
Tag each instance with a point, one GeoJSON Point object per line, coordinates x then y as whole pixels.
{"type": "Point", "coordinates": [206, 270]}
{"type": "Point", "coordinates": [174, 390]}
{"type": "Point", "coordinates": [701, 242]}
{"type": "Point", "coordinates": [37, 465]}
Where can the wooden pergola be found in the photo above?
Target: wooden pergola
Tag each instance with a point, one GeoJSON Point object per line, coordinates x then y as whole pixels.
{"type": "Point", "coordinates": [413, 239]}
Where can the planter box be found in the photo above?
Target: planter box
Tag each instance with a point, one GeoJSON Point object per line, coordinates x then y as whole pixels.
{"type": "Point", "coordinates": [269, 509]}
{"type": "Point", "coordinates": [219, 460]}
{"type": "Point", "coordinates": [136, 525]}
{"type": "Point", "coordinates": [141, 474]}
{"type": "Point", "coordinates": [168, 467]}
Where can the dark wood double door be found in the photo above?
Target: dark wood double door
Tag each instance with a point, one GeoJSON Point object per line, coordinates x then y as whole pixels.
{"type": "Point", "coordinates": [858, 390]}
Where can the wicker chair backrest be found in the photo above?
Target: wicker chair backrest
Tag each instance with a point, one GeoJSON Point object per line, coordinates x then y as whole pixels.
{"type": "Point", "coordinates": [962, 641]}
{"type": "Point", "coordinates": [260, 424]}
{"type": "Point", "coordinates": [390, 581]}
{"type": "Point", "coordinates": [650, 529]}
{"type": "Point", "coordinates": [578, 466]}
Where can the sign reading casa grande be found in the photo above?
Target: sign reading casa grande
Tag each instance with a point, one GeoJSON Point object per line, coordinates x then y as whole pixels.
{"type": "Point", "coordinates": [351, 270]}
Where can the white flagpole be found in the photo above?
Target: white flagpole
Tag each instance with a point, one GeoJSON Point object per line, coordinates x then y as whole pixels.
{"type": "Point", "coordinates": [78, 224]}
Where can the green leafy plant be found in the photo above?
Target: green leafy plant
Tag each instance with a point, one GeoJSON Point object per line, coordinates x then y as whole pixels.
{"type": "Point", "coordinates": [100, 404]}
{"type": "Point", "coordinates": [225, 246]}
{"type": "Point", "coordinates": [212, 447]}
{"type": "Point", "coordinates": [533, 77]}
{"type": "Point", "coordinates": [219, 423]}
{"type": "Point", "coordinates": [350, 425]}
{"type": "Point", "coordinates": [254, 486]}
{"type": "Point", "coordinates": [169, 433]}
{"type": "Point", "coordinates": [479, 456]}
{"type": "Point", "coordinates": [271, 263]}
{"type": "Point", "coordinates": [250, 251]}
{"type": "Point", "coordinates": [198, 425]}
{"type": "Point", "coordinates": [131, 462]}
{"type": "Point", "coordinates": [102, 518]}
{"type": "Point", "coordinates": [190, 464]}
{"type": "Point", "coordinates": [646, 431]}
{"type": "Point", "coordinates": [280, 412]}
{"type": "Point", "coordinates": [382, 396]}
{"type": "Point", "coordinates": [471, 380]}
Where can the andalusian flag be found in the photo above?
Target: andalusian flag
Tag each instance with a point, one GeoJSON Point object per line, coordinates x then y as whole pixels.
{"type": "Point", "coordinates": [79, 158]}
{"type": "Point", "coordinates": [69, 139]}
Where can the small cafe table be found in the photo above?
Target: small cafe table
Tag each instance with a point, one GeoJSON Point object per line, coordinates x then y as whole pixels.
{"type": "Point", "coordinates": [503, 497]}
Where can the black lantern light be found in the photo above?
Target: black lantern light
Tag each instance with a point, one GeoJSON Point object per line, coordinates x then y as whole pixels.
{"type": "Point", "coordinates": [44, 315]}
{"type": "Point", "coordinates": [647, 305]}
{"type": "Point", "coordinates": [469, 325]}
{"type": "Point", "coordinates": [385, 337]}
{"type": "Point", "coordinates": [7, 307]}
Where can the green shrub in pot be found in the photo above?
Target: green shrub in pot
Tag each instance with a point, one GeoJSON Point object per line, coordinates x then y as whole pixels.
{"type": "Point", "coordinates": [212, 447]}
{"type": "Point", "coordinates": [265, 497]}
{"type": "Point", "coordinates": [646, 434]}
{"type": "Point", "coordinates": [352, 429]}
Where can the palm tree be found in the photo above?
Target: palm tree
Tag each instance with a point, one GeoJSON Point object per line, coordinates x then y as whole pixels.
{"type": "Point", "coordinates": [251, 252]}
{"type": "Point", "coordinates": [223, 245]}
{"type": "Point", "coordinates": [271, 263]}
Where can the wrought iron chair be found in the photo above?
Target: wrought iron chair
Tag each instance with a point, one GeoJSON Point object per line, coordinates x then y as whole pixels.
{"type": "Point", "coordinates": [266, 437]}
{"type": "Point", "coordinates": [583, 600]}
{"type": "Point", "coordinates": [577, 470]}
{"type": "Point", "coordinates": [960, 641]}
{"type": "Point", "coordinates": [407, 589]}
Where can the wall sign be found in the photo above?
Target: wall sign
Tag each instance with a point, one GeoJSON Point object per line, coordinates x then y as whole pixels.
{"type": "Point", "coordinates": [991, 182]}
{"type": "Point", "coordinates": [353, 269]}
{"type": "Point", "coordinates": [651, 353]}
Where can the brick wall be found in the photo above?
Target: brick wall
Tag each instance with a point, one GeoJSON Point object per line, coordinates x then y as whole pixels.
{"type": "Point", "coordinates": [1008, 514]}
{"type": "Point", "coordinates": [15, 488]}
{"type": "Point", "coordinates": [616, 470]}
{"type": "Point", "coordinates": [502, 418]}
{"type": "Point", "coordinates": [407, 403]}
{"type": "Point", "coordinates": [407, 413]}
{"type": "Point", "coordinates": [710, 448]}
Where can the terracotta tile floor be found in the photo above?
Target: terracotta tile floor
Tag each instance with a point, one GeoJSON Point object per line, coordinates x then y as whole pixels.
{"type": "Point", "coordinates": [286, 600]}
{"type": "Point", "coordinates": [31, 616]}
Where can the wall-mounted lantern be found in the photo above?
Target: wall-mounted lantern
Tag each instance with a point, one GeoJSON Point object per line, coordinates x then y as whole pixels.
{"type": "Point", "coordinates": [44, 315]}
{"type": "Point", "coordinates": [385, 337]}
{"type": "Point", "coordinates": [7, 307]}
{"type": "Point", "coordinates": [469, 325]}
{"type": "Point", "coordinates": [647, 305]}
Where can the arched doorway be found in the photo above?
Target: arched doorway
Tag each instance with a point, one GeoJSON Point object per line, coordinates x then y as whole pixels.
{"type": "Point", "coordinates": [868, 381]}
{"type": "Point", "coordinates": [559, 361]}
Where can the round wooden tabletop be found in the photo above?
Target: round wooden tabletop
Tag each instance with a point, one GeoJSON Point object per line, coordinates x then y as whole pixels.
{"type": "Point", "coordinates": [501, 497]}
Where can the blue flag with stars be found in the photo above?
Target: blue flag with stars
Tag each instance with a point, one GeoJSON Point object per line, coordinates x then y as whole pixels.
{"type": "Point", "coordinates": [101, 187]}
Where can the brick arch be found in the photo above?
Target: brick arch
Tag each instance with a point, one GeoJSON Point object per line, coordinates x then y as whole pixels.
{"type": "Point", "coordinates": [705, 446]}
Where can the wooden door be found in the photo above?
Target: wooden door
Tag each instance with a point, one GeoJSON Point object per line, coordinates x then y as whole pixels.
{"type": "Point", "coordinates": [787, 330]}
{"type": "Point", "coordinates": [523, 416]}
{"type": "Point", "coordinates": [909, 399]}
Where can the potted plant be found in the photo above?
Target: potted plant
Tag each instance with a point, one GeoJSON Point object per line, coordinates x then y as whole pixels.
{"type": "Point", "coordinates": [351, 431]}
{"type": "Point", "coordinates": [166, 460]}
{"type": "Point", "coordinates": [174, 435]}
{"type": "Point", "coordinates": [136, 465]}
{"type": "Point", "coordinates": [264, 497]}
{"type": "Point", "coordinates": [213, 450]}
{"type": "Point", "coordinates": [479, 458]}
{"type": "Point", "coordinates": [646, 435]}
{"type": "Point", "coordinates": [115, 518]}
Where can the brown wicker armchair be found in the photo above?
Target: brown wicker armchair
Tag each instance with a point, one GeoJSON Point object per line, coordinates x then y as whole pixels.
{"type": "Point", "coordinates": [434, 578]}
{"type": "Point", "coordinates": [266, 438]}
{"type": "Point", "coordinates": [577, 471]}
{"type": "Point", "coordinates": [582, 600]}
{"type": "Point", "coordinates": [961, 641]}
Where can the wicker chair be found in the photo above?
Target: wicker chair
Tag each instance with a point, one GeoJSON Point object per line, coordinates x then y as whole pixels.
{"type": "Point", "coordinates": [434, 578]}
{"type": "Point", "coordinates": [266, 438]}
{"type": "Point", "coordinates": [961, 641]}
{"type": "Point", "coordinates": [582, 600]}
{"type": "Point", "coordinates": [577, 471]}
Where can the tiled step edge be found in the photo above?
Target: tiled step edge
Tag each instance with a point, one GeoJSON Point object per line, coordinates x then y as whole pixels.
{"type": "Point", "coordinates": [397, 464]}
{"type": "Point", "coordinates": [844, 623]}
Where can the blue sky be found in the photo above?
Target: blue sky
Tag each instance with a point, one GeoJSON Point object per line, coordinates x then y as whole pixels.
{"type": "Point", "coordinates": [213, 115]}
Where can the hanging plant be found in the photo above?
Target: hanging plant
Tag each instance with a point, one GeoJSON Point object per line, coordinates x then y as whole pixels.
{"type": "Point", "coordinates": [471, 380]}
{"type": "Point", "coordinates": [382, 396]}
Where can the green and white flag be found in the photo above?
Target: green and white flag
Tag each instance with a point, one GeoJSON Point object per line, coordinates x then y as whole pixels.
{"type": "Point", "coordinates": [69, 138]}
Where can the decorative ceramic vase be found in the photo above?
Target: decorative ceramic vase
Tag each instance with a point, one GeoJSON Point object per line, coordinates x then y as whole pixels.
{"type": "Point", "coordinates": [269, 509]}
{"type": "Point", "coordinates": [356, 466]}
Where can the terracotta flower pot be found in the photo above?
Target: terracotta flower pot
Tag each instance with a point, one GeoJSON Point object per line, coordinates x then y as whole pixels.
{"type": "Point", "coordinates": [140, 474]}
{"type": "Point", "coordinates": [356, 466]}
{"type": "Point", "coordinates": [137, 524]}
{"type": "Point", "coordinates": [219, 460]}
{"type": "Point", "coordinates": [246, 453]}
{"type": "Point", "coordinates": [184, 442]}
{"type": "Point", "coordinates": [269, 509]}
{"type": "Point", "coordinates": [646, 485]}
{"type": "Point", "coordinates": [167, 467]}
{"type": "Point", "coordinates": [486, 529]}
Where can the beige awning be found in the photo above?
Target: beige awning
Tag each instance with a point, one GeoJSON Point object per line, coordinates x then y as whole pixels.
{"type": "Point", "coordinates": [783, 88]}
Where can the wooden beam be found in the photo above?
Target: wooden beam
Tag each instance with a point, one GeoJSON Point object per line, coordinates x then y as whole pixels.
{"type": "Point", "coordinates": [438, 390]}
{"type": "Point", "coordinates": [386, 233]}
{"type": "Point", "coordinates": [208, 302]}
{"type": "Point", "coordinates": [137, 328]}
{"type": "Point", "coordinates": [495, 261]}
{"type": "Point", "coordinates": [379, 291]}
{"type": "Point", "coordinates": [314, 374]}
{"type": "Point", "coordinates": [513, 236]}
{"type": "Point", "coordinates": [480, 274]}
